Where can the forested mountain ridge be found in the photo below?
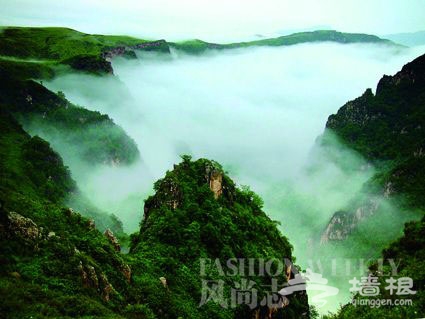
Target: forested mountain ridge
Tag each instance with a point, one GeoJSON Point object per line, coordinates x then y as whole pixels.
{"type": "Point", "coordinates": [93, 137]}
{"type": "Point", "coordinates": [387, 128]}
{"type": "Point", "coordinates": [198, 212]}
{"type": "Point", "coordinates": [57, 264]}
{"type": "Point", "coordinates": [42, 51]}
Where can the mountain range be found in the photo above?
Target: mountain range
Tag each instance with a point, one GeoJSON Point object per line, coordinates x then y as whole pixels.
{"type": "Point", "coordinates": [63, 262]}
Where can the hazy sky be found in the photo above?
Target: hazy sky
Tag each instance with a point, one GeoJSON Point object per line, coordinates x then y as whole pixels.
{"type": "Point", "coordinates": [218, 20]}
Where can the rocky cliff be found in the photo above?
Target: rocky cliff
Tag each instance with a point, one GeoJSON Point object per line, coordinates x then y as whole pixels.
{"type": "Point", "coordinates": [387, 128]}
{"type": "Point", "coordinates": [128, 51]}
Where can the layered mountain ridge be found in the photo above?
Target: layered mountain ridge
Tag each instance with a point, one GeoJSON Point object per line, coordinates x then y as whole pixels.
{"type": "Point", "coordinates": [44, 52]}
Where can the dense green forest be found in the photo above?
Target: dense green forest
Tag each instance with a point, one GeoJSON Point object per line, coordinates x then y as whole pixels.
{"type": "Point", "coordinates": [56, 263]}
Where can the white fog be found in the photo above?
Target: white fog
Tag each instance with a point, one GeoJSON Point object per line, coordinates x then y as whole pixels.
{"type": "Point", "coordinates": [256, 111]}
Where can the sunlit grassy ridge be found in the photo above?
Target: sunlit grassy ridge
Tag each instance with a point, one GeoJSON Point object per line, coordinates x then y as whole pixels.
{"type": "Point", "coordinates": [199, 46]}
{"type": "Point", "coordinates": [19, 46]}
{"type": "Point", "coordinates": [57, 43]}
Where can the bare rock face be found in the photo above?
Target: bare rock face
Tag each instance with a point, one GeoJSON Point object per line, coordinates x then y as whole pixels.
{"type": "Point", "coordinates": [342, 223]}
{"type": "Point", "coordinates": [339, 227]}
{"type": "Point", "coordinates": [163, 281]}
{"type": "Point", "coordinates": [174, 195]}
{"type": "Point", "coordinates": [23, 226]}
{"type": "Point", "coordinates": [388, 189]}
{"type": "Point", "coordinates": [128, 51]}
{"type": "Point", "coordinates": [216, 183]}
{"type": "Point", "coordinates": [16, 225]}
{"type": "Point", "coordinates": [126, 271]}
{"type": "Point", "coordinates": [214, 178]}
{"type": "Point", "coordinates": [112, 239]}
{"type": "Point", "coordinates": [91, 279]}
{"type": "Point", "coordinates": [91, 224]}
{"type": "Point", "coordinates": [89, 276]}
{"type": "Point", "coordinates": [106, 287]}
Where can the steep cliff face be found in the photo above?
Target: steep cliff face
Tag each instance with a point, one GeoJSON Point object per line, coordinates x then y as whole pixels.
{"type": "Point", "coordinates": [391, 124]}
{"type": "Point", "coordinates": [128, 51]}
{"type": "Point", "coordinates": [342, 223]}
{"type": "Point", "coordinates": [388, 130]}
{"type": "Point", "coordinates": [198, 212]}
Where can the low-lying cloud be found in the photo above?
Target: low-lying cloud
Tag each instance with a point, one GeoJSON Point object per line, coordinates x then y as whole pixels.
{"type": "Point", "coordinates": [257, 111]}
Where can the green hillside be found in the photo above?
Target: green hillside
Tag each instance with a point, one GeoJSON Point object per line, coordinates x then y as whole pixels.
{"type": "Point", "coordinates": [56, 264]}
{"type": "Point", "coordinates": [199, 46]}
{"type": "Point", "coordinates": [38, 52]}
{"type": "Point", "coordinates": [93, 137]}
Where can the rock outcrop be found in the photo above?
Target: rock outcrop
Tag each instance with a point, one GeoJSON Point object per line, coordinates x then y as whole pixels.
{"type": "Point", "coordinates": [126, 271]}
{"type": "Point", "coordinates": [14, 225]}
{"type": "Point", "coordinates": [128, 51]}
{"type": "Point", "coordinates": [112, 239]}
{"type": "Point", "coordinates": [215, 181]}
{"type": "Point", "coordinates": [343, 222]}
{"type": "Point", "coordinates": [97, 280]}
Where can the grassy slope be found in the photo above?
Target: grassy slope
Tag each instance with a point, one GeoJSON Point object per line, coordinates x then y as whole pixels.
{"type": "Point", "coordinates": [57, 44]}
{"type": "Point", "coordinates": [53, 47]}
{"type": "Point", "coordinates": [65, 46]}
